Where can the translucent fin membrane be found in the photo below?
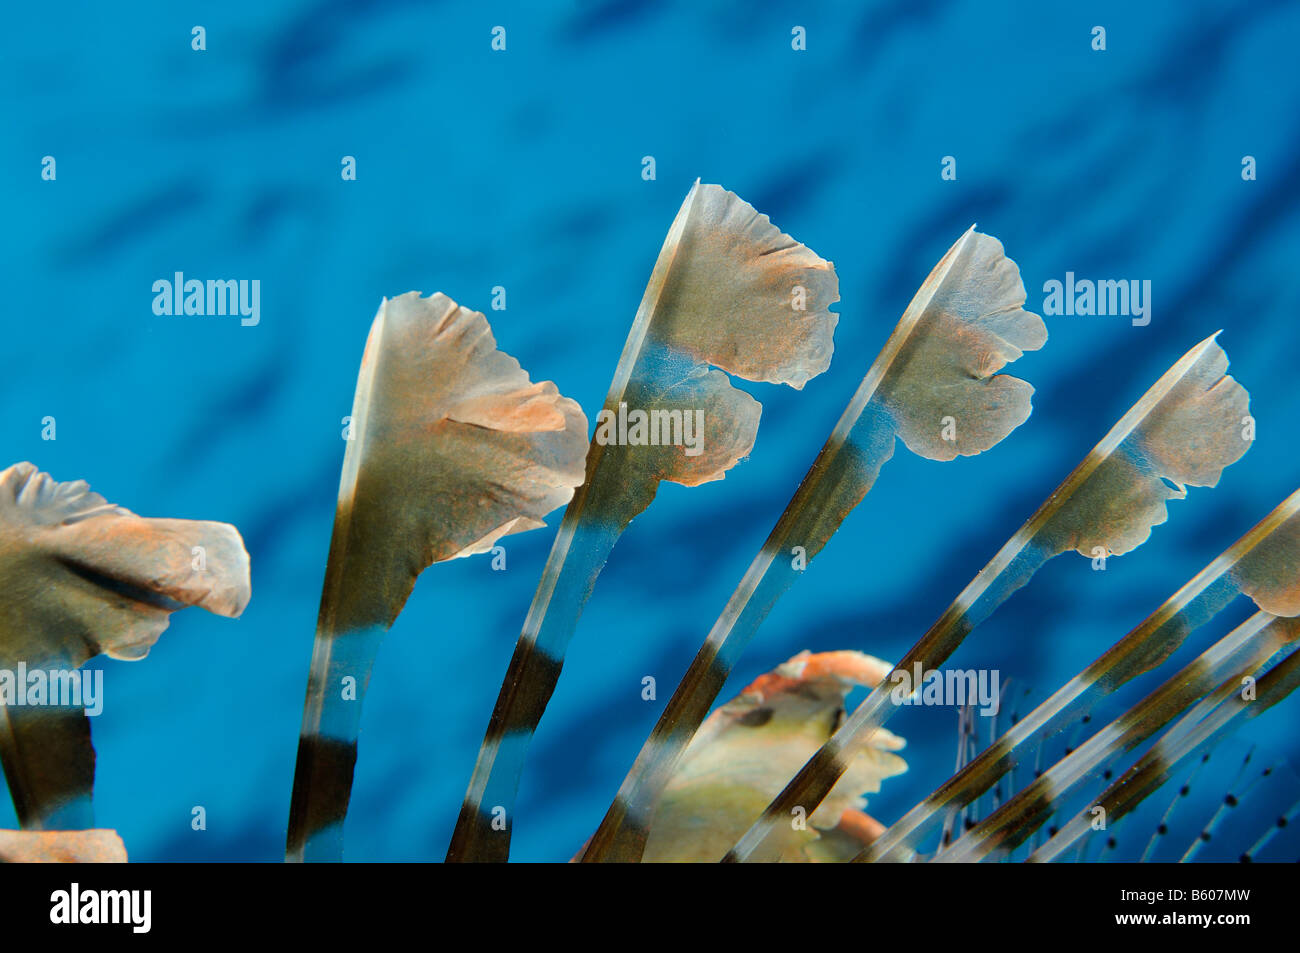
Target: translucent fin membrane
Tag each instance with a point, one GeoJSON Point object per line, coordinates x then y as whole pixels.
{"type": "Point", "coordinates": [935, 386]}
{"type": "Point", "coordinates": [1162, 829]}
{"type": "Point", "coordinates": [452, 448]}
{"type": "Point", "coordinates": [1182, 432]}
{"type": "Point", "coordinates": [1230, 802]}
{"type": "Point", "coordinates": [1285, 820]}
{"type": "Point", "coordinates": [728, 290]}
{"type": "Point", "coordinates": [80, 577]}
{"type": "Point", "coordinates": [1250, 565]}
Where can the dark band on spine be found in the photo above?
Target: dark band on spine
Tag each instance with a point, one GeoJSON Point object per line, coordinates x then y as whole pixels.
{"type": "Point", "coordinates": [322, 787]}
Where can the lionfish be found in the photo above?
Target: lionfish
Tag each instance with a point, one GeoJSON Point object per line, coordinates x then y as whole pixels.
{"type": "Point", "coordinates": [454, 447]}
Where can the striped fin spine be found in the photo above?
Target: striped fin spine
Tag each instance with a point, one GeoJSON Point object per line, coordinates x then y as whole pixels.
{"type": "Point", "coordinates": [1183, 432]}
{"type": "Point", "coordinates": [1248, 566]}
{"type": "Point", "coordinates": [728, 291]}
{"type": "Point", "coordinates": [1239, 653]}
{"type": "Point", "coordinates": [940, 363]}
{"type": "Point", "coordinates": [81, 577]}
{"type": "Point", "coordinates": [1190, 736]}
{"type": "Point", "coordinates": [452, 448]}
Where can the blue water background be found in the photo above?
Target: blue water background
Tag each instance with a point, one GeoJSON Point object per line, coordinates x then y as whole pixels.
{"type": "Point", "coordinates": [523, 169]}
